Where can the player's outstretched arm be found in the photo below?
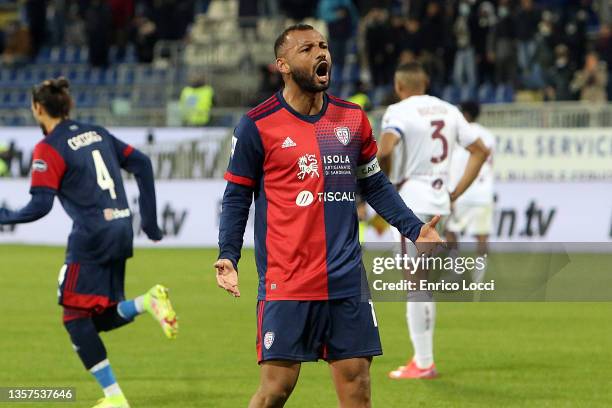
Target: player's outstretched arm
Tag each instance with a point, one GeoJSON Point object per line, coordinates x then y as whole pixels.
{"type": "Point", "coordinates": [386, 201]}
{"type": "Point", "coordinates": [39, 206]}
{"type": "Point", "coordinates": [244, 169]}
{"type": "Point", "coordinates": [478, 155]}
{"type": "Point", "coordinates": [234, 215]}
{"type": "Point", "coordinates": [140, 166]}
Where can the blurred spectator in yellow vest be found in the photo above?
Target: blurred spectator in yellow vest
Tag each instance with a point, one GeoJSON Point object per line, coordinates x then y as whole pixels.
{"type": "Point", "coordinates": [360, 97]}
{"type": "Point", "coordinates": [196, 103]}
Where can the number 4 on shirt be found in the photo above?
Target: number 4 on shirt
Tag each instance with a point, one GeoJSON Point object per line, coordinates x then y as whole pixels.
{"type": "Point", "coordinates": [105, 181]}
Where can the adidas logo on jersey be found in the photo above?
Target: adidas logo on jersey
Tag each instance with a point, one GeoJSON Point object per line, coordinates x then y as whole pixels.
{"type": "Point", "coordinates": [288, 143]}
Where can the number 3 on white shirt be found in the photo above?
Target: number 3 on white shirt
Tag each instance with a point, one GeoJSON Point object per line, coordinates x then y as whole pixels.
{"type": "Point", "coordinates": [105, 181]}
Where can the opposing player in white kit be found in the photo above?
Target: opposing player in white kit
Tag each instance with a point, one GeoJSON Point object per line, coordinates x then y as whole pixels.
{"type": "Point", "coordinates": [420, 132]}
{"type": "Point", "coordinates": [473, 212]}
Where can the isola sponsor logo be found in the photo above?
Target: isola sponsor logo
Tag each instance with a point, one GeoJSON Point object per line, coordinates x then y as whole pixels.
{"type": "Point", "coordinates": [337, 165]}
{"type": "Point", "coordinates": [336, 159]}
{"type": "Point", "coordinates": [83, 140]}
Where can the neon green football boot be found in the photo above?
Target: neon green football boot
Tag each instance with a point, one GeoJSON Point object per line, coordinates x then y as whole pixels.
{"type": "Point", "coordinates": [116, 401]}
{"type": "Point", "coordinates": [157, 303]}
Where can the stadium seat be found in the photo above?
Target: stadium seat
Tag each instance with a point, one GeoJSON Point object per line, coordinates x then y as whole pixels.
{"type": "Point", "coordinates": [109, 77]}
{"type": "Point", "coordinates": [19, 99]}
{"type": "Point", "coordinates": [466, 93]}
{"type": "Point", "coordinates": [486, 94]}
{"type": "Point", "coordinates": [70, 55]}
{"type": "Point", "coordinates": [451, 94]}
{"type": "Point", "coordinates": [54, 55]}
{"type": "Point", "coordinates": [24, 76]}
{"type": "Point", "coordinates": [113, 55]}
{"type": "Point", "coordinates": [130, 54]}
{"type": "Point", "coordinates": [5, 100]}
{"type": "Point", "coordinates": [86, 99]}
{"type": "Point", "coordinates": [14, 120]}
{"type": "Point", "coordinates": [41, 73]}
{"type": "Point", "coordinates": [8, 76]}
{"type": "Point", "coordinates": [504, 94]}
{"type": "Point", "coordinates": [96, 76]}
{"type": "Point", "coordinates": [145, 74]}
{"type": "Point", "coordinates": [80, 55]}
{"type": "Point", "coordinates": [44, 55]}
{"type": "Point", "coordinates": [150, 97]}
{"type": "Point", "coordinates": [126, 74]}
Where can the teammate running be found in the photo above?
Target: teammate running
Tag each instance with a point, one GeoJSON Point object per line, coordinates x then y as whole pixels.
{"type": "Point", "coordinates": [81, 165]}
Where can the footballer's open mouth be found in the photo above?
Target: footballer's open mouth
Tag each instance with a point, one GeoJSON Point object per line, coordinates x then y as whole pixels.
{"type": "Point", "coordinates": [322, 71]}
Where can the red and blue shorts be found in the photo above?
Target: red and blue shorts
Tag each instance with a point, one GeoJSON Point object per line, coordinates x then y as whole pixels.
{"type": "Point", "coordinates": [89, 289]}
{"type": "Point", "coordinates": [299, 331]}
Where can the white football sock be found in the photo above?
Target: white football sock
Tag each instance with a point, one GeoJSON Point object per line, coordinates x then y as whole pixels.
{"type": "Point", "coordinates": [478, 277]}
{"type": "Point", "coordinates": [139, 303]}
{"type": "Point", "coordinates": [112, 390]}
{"type": "Point", "coordinates": [421, 317]}
{"type": "Point", "coordinates": [106, 378]}
{"type": "Point", "coordinates": [478, 274]}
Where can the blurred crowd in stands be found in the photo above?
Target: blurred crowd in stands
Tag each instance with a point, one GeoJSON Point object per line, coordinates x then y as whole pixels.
{"type": "Point", "coordinates": [98, 24]}
{"type": "Point", "coordinates": [554, 50]}
{"type": "Point", "coordinates": [541, 50]}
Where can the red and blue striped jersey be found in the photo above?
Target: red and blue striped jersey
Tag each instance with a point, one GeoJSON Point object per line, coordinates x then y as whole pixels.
{"type": "Point", "coordinates": [82, 164]}
{"type": "Point", "coordinates": [304, 171]}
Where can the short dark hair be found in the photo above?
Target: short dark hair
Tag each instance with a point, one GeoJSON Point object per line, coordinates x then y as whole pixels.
{"type": "Point", "coordinates": [472, 108]}
{"type": "Point", "coordinates": [54, 96]}
{"type": "Point", "coordinates": [280, 41]}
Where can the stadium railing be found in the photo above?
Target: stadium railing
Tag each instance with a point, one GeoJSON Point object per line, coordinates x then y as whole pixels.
{"type": "Point", "coordinates": [526, 115]}
{"type": "Point", "coordinates": [547, 115]}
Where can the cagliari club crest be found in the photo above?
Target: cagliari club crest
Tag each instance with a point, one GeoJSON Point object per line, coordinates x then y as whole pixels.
{"type": "Point", "coordinates": [343, 134]}
{"type": "Point", "coordinates": [268, 340]}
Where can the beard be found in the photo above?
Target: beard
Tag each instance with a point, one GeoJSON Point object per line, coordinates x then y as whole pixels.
{"type": "Point", "coordinates": [307, 81]}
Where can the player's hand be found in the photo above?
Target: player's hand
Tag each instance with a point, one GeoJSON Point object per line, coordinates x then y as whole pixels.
{"type": "Point", "coordinates": [428, 240]}
{"type": "Point", "coordinates": [154, 234]}
{"type": "Point", "coordinates": [227, 277]}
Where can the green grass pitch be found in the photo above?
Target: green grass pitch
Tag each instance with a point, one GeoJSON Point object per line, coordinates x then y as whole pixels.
{"type": "Point", "coordinates": [489, 354]}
